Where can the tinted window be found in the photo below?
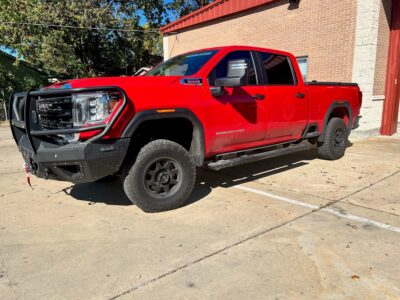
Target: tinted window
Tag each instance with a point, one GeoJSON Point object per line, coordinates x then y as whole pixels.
{"type": "Point", "coordinates": [278, 69]}
{"type": "Point", "coordinates": [183, 65]}
{"type": "Point", "coordinates": [221, 70]}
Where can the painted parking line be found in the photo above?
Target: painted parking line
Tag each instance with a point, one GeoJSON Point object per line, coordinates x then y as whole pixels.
{"type": "Point", "coordinates": [315, 207]}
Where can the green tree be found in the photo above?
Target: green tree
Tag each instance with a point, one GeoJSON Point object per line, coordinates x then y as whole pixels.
{"type": "Point", "coordinates": [17, 78]}
{"type": "Point", "coordinates": [77, 50]}
{"type": "Point", "coordinates": [180, 8]}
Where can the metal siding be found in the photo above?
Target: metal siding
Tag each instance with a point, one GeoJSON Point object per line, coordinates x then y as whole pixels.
{"type": "Point", "coordinates": [392, 94]}
{"type": "Point", "coordinates": [214, 10]}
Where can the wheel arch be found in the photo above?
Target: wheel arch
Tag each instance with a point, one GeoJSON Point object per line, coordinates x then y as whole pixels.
{"type": "Point", "coordinates": [197, 145]}
{"type": "Point", "coordinates": [336, 109]}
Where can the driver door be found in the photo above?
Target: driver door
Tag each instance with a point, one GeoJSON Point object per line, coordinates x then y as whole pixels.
{"type": "Point", "coordinates": [236, 115]}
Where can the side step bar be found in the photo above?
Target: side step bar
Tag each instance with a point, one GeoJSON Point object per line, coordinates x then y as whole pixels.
{"type": "Point", "coordinates": [248, 158]}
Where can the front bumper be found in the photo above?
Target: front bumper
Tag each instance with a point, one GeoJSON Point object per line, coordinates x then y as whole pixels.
{"type": "Point", "coordinates": [77, 163]}
{"type": "Point", "coordinates": [49, 158]}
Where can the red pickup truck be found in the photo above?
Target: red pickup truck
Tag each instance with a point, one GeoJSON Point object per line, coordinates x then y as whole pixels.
{"type": "Point", "coordinates": [214, 108]}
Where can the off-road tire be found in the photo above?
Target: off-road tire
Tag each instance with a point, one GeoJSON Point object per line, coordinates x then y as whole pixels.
{"type": "Point", "coordinates": [335, 141]}
{"type": "Point", "coordinates": [149, 167]}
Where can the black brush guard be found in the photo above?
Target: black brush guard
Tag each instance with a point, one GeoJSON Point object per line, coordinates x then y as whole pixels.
{"type": "Point", "coordinates": [49, 156]}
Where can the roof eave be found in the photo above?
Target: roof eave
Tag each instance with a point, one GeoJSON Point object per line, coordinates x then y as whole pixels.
{"type": "Point", "coordinates": [213, 11]}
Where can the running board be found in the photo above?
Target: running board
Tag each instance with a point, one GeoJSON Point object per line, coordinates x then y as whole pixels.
{"type": "Point", "coordinates": [248, 158]}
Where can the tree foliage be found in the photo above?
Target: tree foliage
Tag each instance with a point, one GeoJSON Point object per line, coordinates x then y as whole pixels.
{"type": "Point", "coordinates": [80, 51]}
{"type": "Point", "coordinates": [17, 78]}
{"type": "Point", "coordinates": [181, 8]}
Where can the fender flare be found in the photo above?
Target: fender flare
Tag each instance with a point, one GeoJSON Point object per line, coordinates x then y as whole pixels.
{"type": "Point", "coordinates": [336, 104]}
{"type": "Point", "coordinates": [197, 147]}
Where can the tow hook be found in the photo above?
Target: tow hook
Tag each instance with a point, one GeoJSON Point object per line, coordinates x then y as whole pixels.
{"type": "Point", "coordinates": [28, 175]}
{"type": "Point", "coordinates": [46, 173]}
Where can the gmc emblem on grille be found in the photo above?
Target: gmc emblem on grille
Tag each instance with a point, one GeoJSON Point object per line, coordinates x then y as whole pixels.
{"type": "Point", "coordinates": [45, 106]}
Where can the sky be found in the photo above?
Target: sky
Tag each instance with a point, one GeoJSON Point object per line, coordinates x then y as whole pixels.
{"type": "Point", "coordinates": [7, 50]}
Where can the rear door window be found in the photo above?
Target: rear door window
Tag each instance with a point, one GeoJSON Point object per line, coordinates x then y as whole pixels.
{"type": "Point", "coordinates": [278, 69]}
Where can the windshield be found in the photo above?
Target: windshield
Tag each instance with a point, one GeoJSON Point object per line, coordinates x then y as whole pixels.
{"type": "Point", "coordinates": [183, 65]}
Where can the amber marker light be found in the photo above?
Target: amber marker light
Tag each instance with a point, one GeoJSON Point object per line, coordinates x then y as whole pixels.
{"type": "Point", "coordinates": [161, 111]}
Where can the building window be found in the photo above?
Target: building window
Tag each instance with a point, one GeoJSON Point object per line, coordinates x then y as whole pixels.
{"type": "Point", "coordinates": [303, 64]}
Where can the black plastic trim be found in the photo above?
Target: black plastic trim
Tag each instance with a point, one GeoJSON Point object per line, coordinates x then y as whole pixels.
{"type": "Point", "coordinates": [292, 148]}
{"type": "Point", "coordinates": [10, 113]}
{"type": "Point", "coordinates": [312, 134]}
{"type": "Point", "coordinates": [66, 131]}
{"type": "Point", "coordinates": [27, 120]}
{"type": "Point", "coordinates": [334, 105]}
{"type": "Point", "coordinates": [198, 141]}
{"type": "Point", "coordinates": [331, 83]}
{"type": "Point", "coordinates": [357, 122]}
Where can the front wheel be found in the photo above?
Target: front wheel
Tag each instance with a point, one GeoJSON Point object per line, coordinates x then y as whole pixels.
{"type": "Point", "coordinates": [162, 178]}
{"type": "Point", "coordinates": [335, 140]}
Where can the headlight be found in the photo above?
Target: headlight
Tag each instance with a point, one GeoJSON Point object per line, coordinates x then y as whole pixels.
{"type": "Point", "coordinates": [94, 107]}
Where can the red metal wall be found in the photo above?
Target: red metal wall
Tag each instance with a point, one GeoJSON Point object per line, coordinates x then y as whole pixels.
{"type": "Point", "coordinates": [392, 91]}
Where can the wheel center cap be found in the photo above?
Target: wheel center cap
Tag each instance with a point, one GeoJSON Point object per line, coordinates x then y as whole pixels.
{"type": "Point", "coordinates": [163, 177]}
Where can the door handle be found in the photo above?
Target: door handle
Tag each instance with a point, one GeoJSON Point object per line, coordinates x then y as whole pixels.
{"type": "Point", "coordinates": [300, 95]}
{"type": "Point", "coordinates": [258, 97]}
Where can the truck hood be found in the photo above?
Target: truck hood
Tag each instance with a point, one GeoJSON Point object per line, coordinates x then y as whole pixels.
{"type": "Point", "coordinates": [139, 81]}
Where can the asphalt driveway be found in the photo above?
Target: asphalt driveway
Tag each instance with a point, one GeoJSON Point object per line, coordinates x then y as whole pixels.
{"type": "Point", "coordinates": [295, 227]}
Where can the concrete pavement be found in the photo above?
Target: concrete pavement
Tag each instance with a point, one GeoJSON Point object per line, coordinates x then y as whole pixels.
{"type": "Point", "coordinates": [295, 227]}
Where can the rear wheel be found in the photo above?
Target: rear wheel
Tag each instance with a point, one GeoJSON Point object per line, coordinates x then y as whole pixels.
{"type": "Point", "coordinates": [335, 141]}
{"type": "Point", "coordinates": [162, 178]}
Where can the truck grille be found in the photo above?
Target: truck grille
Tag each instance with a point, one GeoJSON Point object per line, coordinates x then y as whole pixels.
{"type": "Point", "coordinates": [55, 112]}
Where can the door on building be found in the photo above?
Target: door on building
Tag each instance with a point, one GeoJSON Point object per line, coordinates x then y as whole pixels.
{"type": "Point", "coordinates": [286, 105]}
{"type": "Point", "coordinates": [236, 116]}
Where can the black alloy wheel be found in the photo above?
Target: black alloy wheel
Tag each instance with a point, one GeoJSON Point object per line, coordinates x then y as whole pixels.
{"type": "Point", "coordinates": [162, 177]}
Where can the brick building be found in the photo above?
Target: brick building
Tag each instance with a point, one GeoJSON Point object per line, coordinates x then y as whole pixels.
{"type": "Point", "coordinates": [345, 40]}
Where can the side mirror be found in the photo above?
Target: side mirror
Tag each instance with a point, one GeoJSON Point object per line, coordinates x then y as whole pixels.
{"type": "Point", "coordinates": [230, 81]}
{"type": "Point", "coordinates": [217, 91]}
{"type": "Point", "coordinates": [237, 74]}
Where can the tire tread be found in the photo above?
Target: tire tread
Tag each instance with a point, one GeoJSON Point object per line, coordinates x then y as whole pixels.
{"type": "Point", "coordinates": [325, 150]}
{"type": "Point", "coordinates": [133, 179]}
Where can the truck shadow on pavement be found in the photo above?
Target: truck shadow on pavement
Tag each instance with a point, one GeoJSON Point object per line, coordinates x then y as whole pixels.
{"type": "Point", "coordinates": [111, 192]}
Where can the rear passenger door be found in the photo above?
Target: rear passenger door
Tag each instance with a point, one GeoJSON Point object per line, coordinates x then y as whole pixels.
{"type": "Point", "coordinates": [285, 105]}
